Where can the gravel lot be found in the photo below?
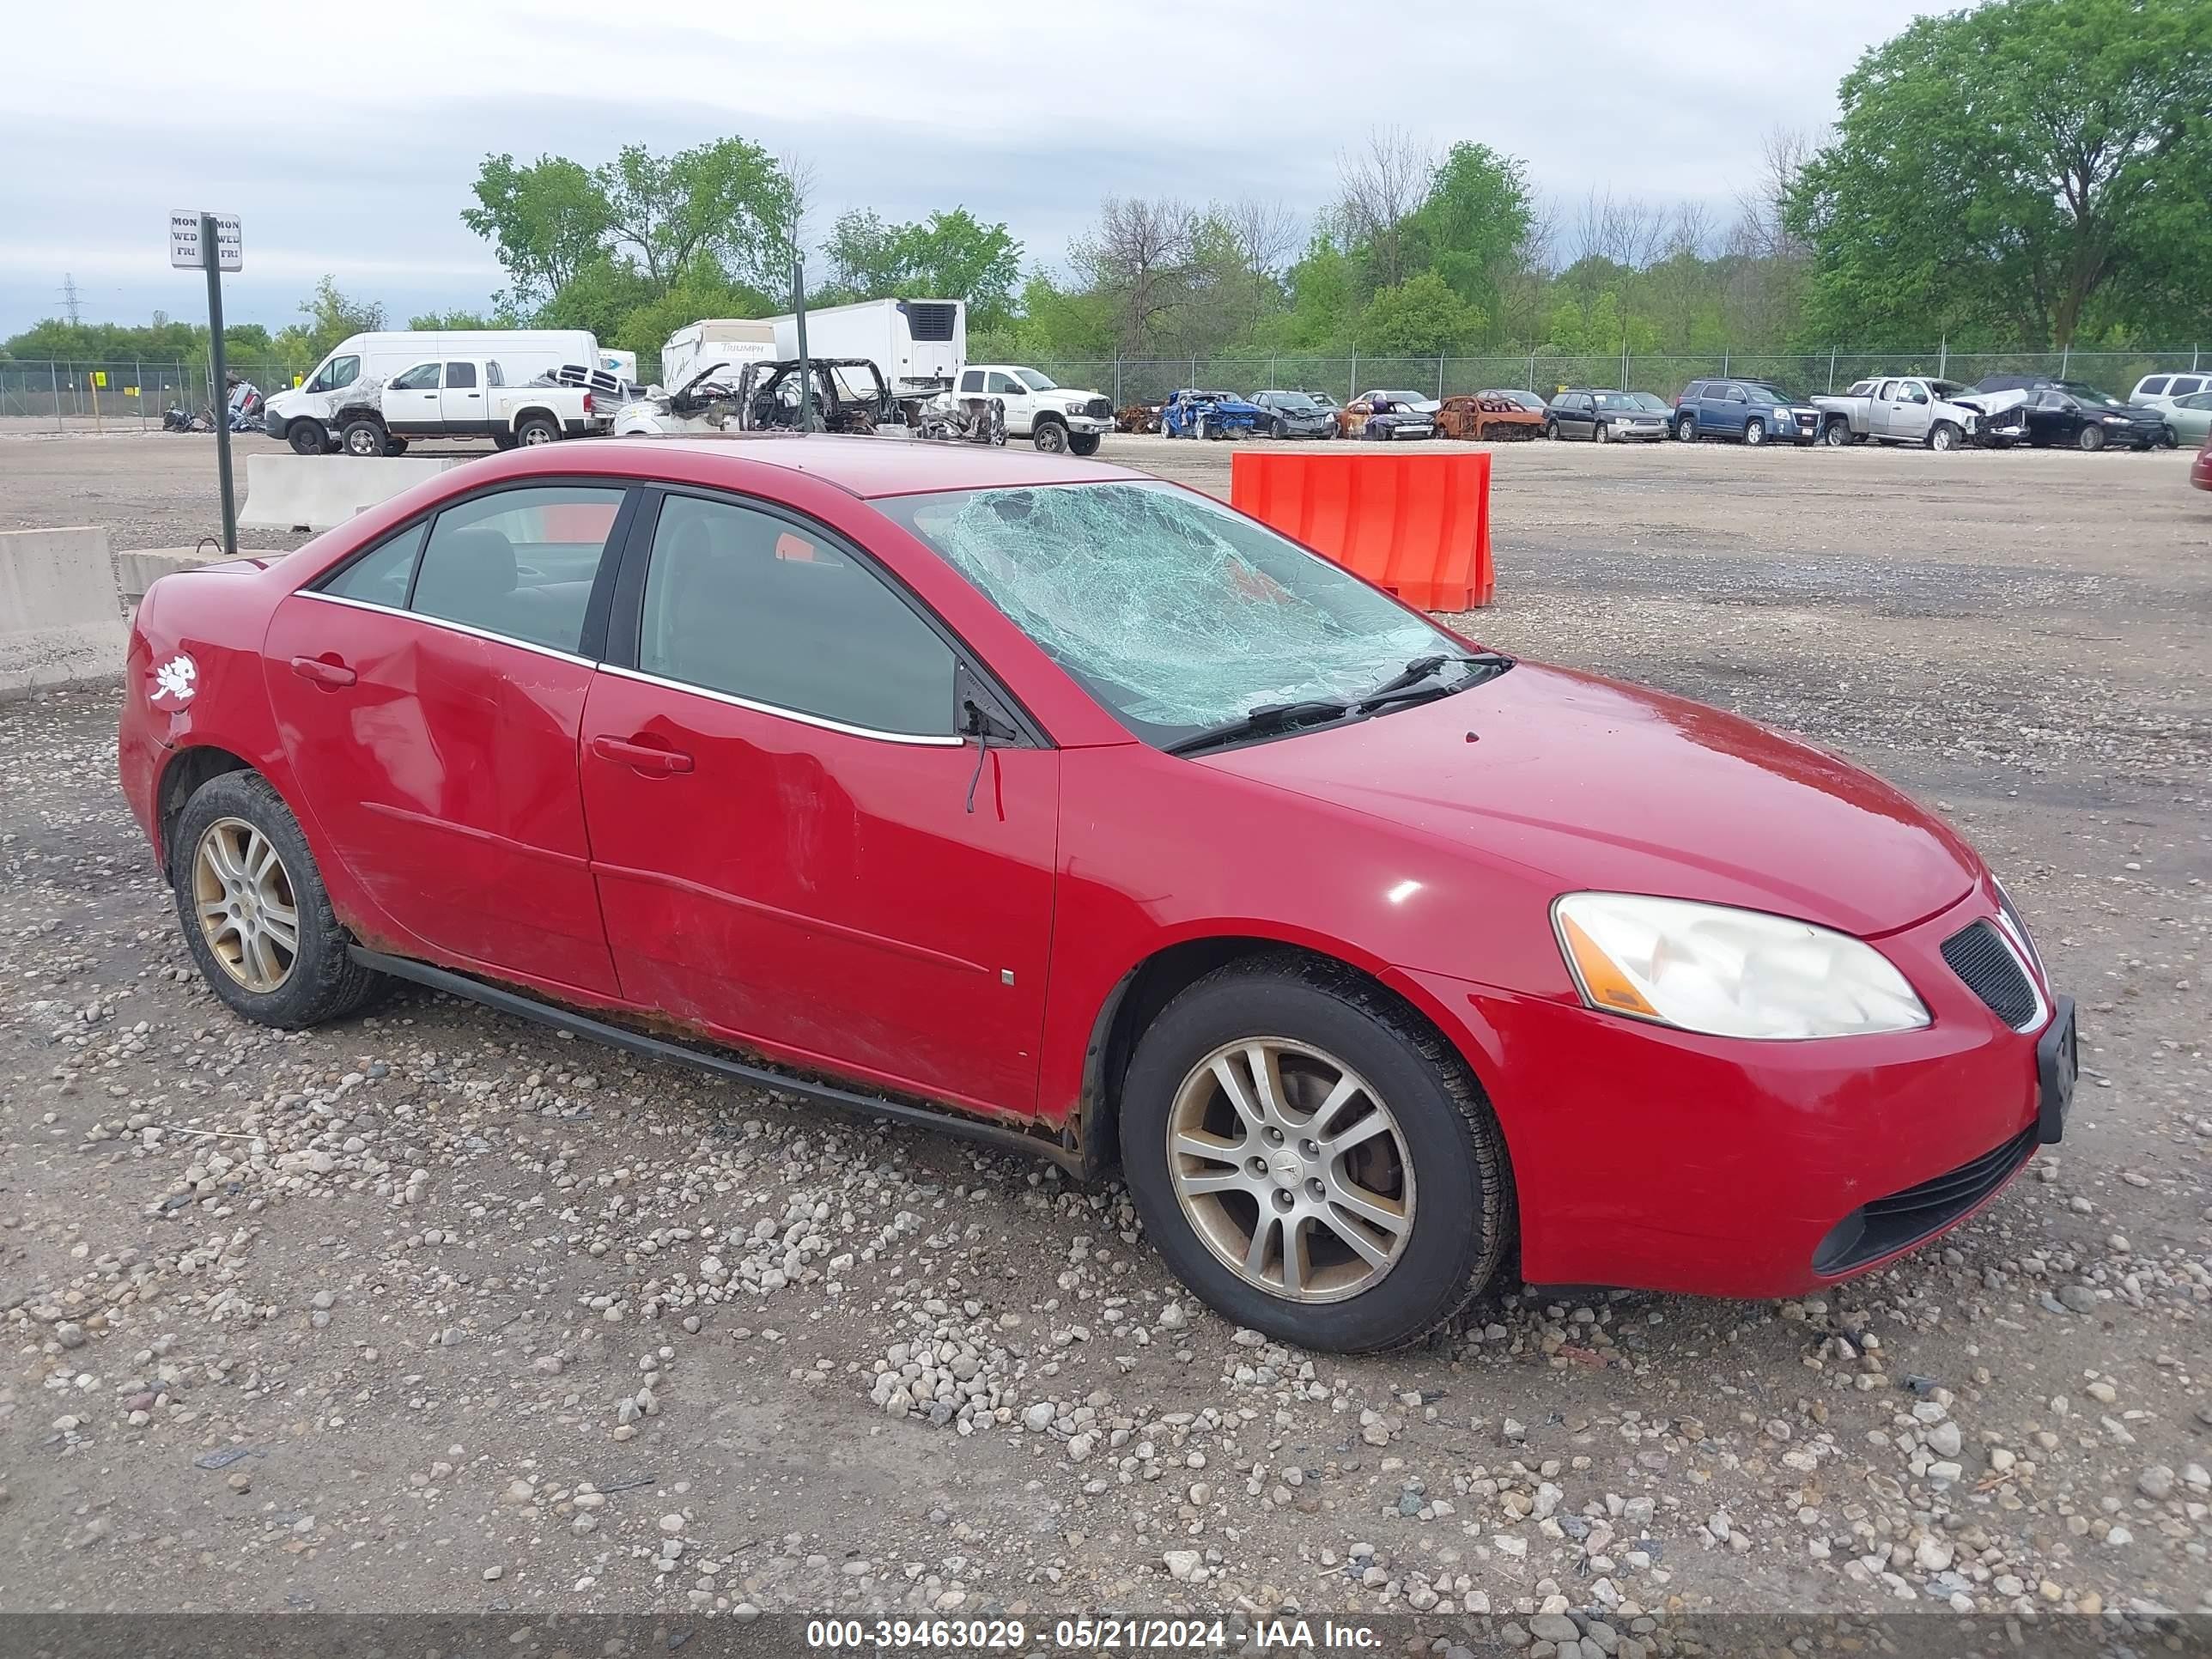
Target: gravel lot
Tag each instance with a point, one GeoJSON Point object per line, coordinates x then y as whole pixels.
{"type": "Point", "coordinates": [438, 1310]}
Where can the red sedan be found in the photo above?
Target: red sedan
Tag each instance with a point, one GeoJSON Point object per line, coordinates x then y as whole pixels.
{"type": "Point", "coordinates": [2200, 470]}
{"type": "Point", "coordinates": [1076, 811]}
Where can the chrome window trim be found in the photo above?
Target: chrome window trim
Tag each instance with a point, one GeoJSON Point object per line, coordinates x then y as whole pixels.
{"type": "Point", "coordinates": [821, 722]}
{"type": "Point", "coordinates": [446, 623]}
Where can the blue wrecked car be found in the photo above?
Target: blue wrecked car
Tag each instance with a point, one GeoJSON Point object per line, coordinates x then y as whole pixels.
{"type": "Point", "coordinates": [1196, 414]}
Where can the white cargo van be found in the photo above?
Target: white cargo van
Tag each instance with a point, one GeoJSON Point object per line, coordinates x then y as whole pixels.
{"type": "Point", "coordinates": [305, 415]}
{"type": "Point", "coordinates": [919, 344]}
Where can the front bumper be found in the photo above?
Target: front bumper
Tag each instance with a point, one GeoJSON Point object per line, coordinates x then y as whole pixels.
{"type": "Point", "coordinates": [1091, 424]}
{"type": "Point", "coordinates": [1662, 1160]}
{"type": "Point", "coordinates": [275, 424]}
{"type": "Point", "coordinates": [1624, 433]}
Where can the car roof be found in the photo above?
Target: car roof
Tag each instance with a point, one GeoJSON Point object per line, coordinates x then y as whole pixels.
{"type": "Point", "coordinates": [864, 466]}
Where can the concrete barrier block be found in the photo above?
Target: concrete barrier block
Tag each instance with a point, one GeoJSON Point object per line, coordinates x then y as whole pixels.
{"type": "Point", "coordinates": [138, 568]}
{"type": "Point", "coordinates": [61, 619]}
{"type": "Point", "coordinates": [321, 492]}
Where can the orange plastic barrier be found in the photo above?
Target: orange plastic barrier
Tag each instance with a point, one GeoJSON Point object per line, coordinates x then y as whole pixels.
{"type": "Point", "coordinates": [1416, 524]}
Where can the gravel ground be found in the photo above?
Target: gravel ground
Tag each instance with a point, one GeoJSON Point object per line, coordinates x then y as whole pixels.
{"type": "Point", "coordinates": [438, 1310]}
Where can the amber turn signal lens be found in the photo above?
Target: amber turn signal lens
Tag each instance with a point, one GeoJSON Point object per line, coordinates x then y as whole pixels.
{"type": "Point", "coordinates": [1602, 983]}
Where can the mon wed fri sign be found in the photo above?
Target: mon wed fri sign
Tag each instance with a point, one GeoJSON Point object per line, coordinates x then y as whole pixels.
{"type": "Point", "coordinates": [184, 253]}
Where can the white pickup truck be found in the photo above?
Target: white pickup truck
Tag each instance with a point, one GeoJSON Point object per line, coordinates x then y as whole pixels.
{"type": "Point", "coordinates": [465, 398]}
{"type": "Point", "coordinates": [1902, 409]}
{"type": "Point", "coordinates": [1049, 415]}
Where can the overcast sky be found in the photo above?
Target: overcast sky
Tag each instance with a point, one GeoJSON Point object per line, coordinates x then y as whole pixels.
{"type": "Point", "coordinates": [346, 137]}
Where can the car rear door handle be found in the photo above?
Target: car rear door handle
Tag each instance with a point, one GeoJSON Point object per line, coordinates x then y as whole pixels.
{"type": "Point", "coordinates": [322, 672]}
{"type": "Point", "coordinates": [642, 757]}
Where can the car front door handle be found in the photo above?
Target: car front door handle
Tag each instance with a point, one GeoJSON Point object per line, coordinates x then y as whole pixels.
{"type": "Point", "coordinates": [641, 757]}
{"type": "Point", "coordinates": [323, 672]}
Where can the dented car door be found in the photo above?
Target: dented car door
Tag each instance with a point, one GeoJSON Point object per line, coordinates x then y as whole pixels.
{"type": "Point", "coordinates": [795, 848]}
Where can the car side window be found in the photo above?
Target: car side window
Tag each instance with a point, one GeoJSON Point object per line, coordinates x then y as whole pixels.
{"type": "Point", "coordinates": [519, 562]}
{"type": "Point", "coordinates": [384, 574]}
{"type": "Point", "coordinates": [1736, 394]}
{"type": "Point", "coordinates": [743, 602]}
{"type": "Point", "coordinates": [972, 381]}
{"type": "Point", "coordinates": [1693, 393]}
{"type": "Point", "coordinates": [423, 377]}
{"type": "Point", "coordinates": [999, 382]}
{"type": "Point", "coordinates": [462, 376]}
{"type": "Point", "coordinates": [2185, 386]}
{"type": "Point", "coordinates": [2154, 386]}
{"type": "Point", "coordinates": [1888, 392]}
{"type": "Point", "coordinates": [493, 375]}
{"type": "Point", "coordinates": [1915, 392]}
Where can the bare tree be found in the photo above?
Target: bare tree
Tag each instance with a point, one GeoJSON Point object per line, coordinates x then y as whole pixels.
{"type": "Point", "coordinates": [1139, 255]}
{"type": "Point", "coordinates": [1690, 232]}
{"type": "Point", "coordinates": [1759, 230]}
{"type": "Point", "coordinates": [801, 181]}
{"type": "Point", "coordinates": [1266, 234]}
{"type": "Point", "coordinates": [1383, 182]}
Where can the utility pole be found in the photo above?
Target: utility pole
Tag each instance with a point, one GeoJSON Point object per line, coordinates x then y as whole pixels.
{"type": "Point", "coordinates": [798, 314]}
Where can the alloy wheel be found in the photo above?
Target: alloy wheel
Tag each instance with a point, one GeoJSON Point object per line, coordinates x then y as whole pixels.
{"type": "Point", "coordinates": [1291, 1170]}
{"type": "Point", "coordinates": [248, 911]}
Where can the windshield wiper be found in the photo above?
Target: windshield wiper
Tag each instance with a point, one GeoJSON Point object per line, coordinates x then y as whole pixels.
{"type": "Point", "coordinates": [1412, 680]}
{"type": "Point", "coordinates": [1408, 684]}
{"type": "Point", "coordinates": [1268, 717]}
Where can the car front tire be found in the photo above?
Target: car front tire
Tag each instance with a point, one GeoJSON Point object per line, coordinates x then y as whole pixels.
{"type": "Point", "coordinates": [1754, 433]}
{"type": "Point", "coordinates": [255, 914]}
{"type": "Point", "coordinates": [307, 438]}
{"type": "Point", "coordinates": [1836, 435]}
{"type": "Point", "coordinates": [1311, 1159]}
{"type": "Point", "coordinates": [1050, 438]}
{"type": "Point", "coordinates": [1686, 430]}
{"type": "Point", "coordinates": [2091, 439]}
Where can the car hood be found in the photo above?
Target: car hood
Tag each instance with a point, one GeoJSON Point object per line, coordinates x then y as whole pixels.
{"type": "Point", "coordinates": [1578, 782]}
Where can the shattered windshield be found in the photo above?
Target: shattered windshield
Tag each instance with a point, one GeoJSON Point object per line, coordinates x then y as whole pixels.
{"type": "Point", "coordinates": [1173, 610]}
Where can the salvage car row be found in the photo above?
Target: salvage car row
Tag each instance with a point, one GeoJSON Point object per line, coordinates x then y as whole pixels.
{"type": "Point", "coordinates": [2002, 410]}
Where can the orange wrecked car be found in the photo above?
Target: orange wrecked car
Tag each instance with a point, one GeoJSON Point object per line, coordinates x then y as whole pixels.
{"type": "Point", "coordinates": [1497, 415]}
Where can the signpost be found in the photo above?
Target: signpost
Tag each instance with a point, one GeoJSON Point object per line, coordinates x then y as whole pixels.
{"type": "Point", "coordinates": [212, 242]}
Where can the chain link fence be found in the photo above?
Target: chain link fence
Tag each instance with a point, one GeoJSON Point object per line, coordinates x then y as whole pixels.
{"type": "Point", "coordinates": [95, 396]}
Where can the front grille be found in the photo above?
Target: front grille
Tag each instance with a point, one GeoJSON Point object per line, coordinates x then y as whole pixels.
{"type": "Point", "coordinates": [1901, 1220]}
{"type": "Point", "coordinates": [1099, 409]}
{"type": "Point", "coordinates": [930, 319]}
{"type": "Point", "coordinates": [1980, 956]}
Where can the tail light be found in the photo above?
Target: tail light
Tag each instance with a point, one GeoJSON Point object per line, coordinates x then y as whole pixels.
{"type": "Point", "coordinates": [587, 402]}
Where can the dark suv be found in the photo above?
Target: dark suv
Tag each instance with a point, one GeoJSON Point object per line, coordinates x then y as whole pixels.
{"type": "Point", "coordinates": [1295, 415]}
{"type": "Point", "coordinates": [1751, 412]}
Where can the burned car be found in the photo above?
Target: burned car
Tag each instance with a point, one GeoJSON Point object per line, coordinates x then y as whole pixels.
{"type": "Point", "coordinates": [1491, 414]}
{"type": "Point", "coordinates": [849, 395]}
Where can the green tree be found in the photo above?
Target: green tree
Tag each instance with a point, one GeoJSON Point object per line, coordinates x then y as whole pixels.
{"type": "Point", "coordinates": [2030, 168]}
{"type": "Point", "coordinates": [1322, 302]}
{"type": "Point", "coordinates": [545, 221]}
{"type": "Point", "coordinates": [599, 295]}
{"type": "Point", "coordinates": [947, 256]}
{"type": "Point", "coordinates": [456, 320]}
{"type": "Point", "coordinates": [330, 315]}
{"type": "Point", "coordinates": [701, 290]}
{"type": "Point", "coordinates": [1473, 221]}
{"type": "Point", "coordinates": [1420, 317]}
{"type": "Point", "coordinates": [728, 199]}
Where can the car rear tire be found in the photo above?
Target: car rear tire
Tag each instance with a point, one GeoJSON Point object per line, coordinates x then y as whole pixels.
{"type": "Point", "coordinates": [1083, 443]}
{"type": "Point", "coordinates": [255, 914]}
{"type": "Point", "coordinates": [1944, 435]}
{"type": "Point", "coordinates": [506, 440]}
{"type": "Point", "coordinates": [307, 438]}
{"type": "Point", "coordinates": [1754, 433]}
{"type": "Point", "coordinates": [1226, 1114]}
{"type": "Point", "coordinates": [362, 438]}
{"type": "Point", "coordinates": [2091, 439]}
{"type": "Point", "coordinates": [1836, 435]}
{"type": "Point", "coordinates": [1686, 430]}
{"type": "Point", "coordinates": [538, 429]}
{"type": "Point", "coordinates": [1050, 438]}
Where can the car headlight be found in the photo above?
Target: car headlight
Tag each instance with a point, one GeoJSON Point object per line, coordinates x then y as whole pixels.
{"type": "Point", "coordinates": [1727, 972]}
